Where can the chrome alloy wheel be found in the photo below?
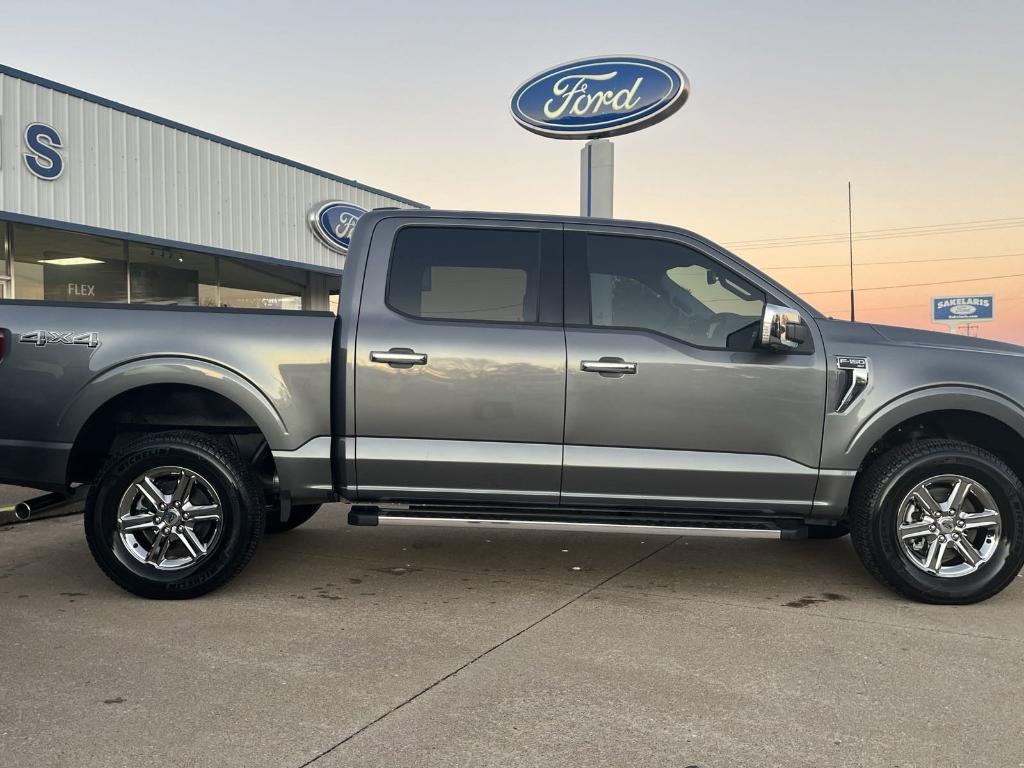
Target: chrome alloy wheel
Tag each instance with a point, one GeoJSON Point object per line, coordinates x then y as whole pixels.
{"type": "Point", "coordinates": [170, 518]}
{"type": "Point", "coordinates": [949, 526]}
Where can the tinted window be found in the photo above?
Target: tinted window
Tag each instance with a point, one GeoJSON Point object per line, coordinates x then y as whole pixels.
{"type": "Point", "coordinates": [668, 288]}
{"type": "Point", "coordinates": [447, 273]}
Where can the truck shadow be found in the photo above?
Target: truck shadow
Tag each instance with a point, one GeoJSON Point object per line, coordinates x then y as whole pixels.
{"type": "Point", "coordinates": [793, 573]}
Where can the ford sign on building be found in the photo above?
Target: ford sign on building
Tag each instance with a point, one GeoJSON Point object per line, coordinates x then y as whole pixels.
{"type": "Point", "coordinates": [100, 202]}
{"type": "Point", "coordinates": [599, 97]}
{"type": "Point", "coordinates": [963, 309]}
{"type": "Point", "coordinates": [334, 222]}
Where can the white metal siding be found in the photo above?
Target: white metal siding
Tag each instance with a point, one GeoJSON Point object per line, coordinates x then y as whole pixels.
{"type": "Point", "coordinates": [125, 173]}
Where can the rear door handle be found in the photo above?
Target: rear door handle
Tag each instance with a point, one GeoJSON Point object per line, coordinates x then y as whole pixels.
{"type": "Point", "coordinates": [608, 365]}
{"type": "Point", "coordinates": [399, 358]}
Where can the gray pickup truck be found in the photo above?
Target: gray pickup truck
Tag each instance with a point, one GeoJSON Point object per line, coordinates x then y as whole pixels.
{"type": "Point", "coordinates": [494, 369]}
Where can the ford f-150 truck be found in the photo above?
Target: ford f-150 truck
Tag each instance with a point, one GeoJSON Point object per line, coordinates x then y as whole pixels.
{"type": "Point", "coordinates": [497, 369]}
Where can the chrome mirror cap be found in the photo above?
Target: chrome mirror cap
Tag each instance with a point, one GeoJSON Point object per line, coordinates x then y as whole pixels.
{"type": "Point", "coordinates": [782, 328]}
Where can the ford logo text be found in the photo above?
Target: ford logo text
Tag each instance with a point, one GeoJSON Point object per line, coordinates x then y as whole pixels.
{"type": "Point", "coordinates": [333, 222]}
{"type": "Point", "coordinates": [603, 96]}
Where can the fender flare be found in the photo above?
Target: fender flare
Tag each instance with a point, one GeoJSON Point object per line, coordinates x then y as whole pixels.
{"type": "Point", "coordinates": [186, 371]}
{"type": "Point", "coordinates": [929, 400]}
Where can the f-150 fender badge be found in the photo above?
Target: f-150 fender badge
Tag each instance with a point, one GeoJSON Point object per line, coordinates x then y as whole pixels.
{"type": "Point", "coordinates": [851, 363]}
{"type": "Point", "coordinates": [90, 339]}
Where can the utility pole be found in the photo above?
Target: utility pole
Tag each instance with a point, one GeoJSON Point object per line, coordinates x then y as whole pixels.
{"type": "Point", "coordinates": [849, 210]}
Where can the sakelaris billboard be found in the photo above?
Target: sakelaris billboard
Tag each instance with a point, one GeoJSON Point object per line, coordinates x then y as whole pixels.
{"type": "Point", "coordinates": [964, 309]}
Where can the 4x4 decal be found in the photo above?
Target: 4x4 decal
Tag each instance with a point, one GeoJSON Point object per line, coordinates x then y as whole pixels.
{"type": "Point", "coordinates": [42, 338]}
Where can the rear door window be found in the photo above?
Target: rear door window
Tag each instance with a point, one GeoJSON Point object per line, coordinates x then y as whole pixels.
{"type": "Point", "coordinates": [453, 273]}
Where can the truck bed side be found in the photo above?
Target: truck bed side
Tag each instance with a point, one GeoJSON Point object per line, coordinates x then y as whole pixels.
{"type": "Point", "coordinates": [66, 365]}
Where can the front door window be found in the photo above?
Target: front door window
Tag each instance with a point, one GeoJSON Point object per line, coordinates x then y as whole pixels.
{"type": "Point", "coordinates": [665, 287]}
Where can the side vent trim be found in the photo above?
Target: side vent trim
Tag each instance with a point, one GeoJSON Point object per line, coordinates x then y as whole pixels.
{"type": "Point", "coordinates": [858, 375]}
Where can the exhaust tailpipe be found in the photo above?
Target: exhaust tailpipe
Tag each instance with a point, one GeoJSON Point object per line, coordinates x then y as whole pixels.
{"type": "Point", "coordinates": [49, 502]}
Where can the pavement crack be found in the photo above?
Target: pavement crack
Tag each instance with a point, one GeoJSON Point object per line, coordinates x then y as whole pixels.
{"type": "Point", "coordinates": [478, 657]}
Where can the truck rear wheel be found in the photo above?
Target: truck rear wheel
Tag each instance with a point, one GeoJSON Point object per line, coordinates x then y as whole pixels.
{"type": "Point", "coordinates": [299, 514]}
{"type": "Point", "coordinates": [941, 521]}
{"type": "Point", "coordinates": [174, 515]}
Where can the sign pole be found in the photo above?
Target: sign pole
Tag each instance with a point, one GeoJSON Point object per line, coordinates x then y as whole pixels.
{"type": "Point", "coordinates": [597, 176]}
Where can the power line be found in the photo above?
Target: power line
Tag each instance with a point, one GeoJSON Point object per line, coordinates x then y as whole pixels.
{"type": "Point", "coordinates": [878, 231]}
{"type": "Point", "coordinates": [917, 285]}
{"type": "Point", "coordinates": [835, 240]}
{"type": "Point", "coordinates": [1013, 221]}
{"type": "Point", "coordinates": [830, 239]}
{"type": "Point", "coordinates": [898, 261]}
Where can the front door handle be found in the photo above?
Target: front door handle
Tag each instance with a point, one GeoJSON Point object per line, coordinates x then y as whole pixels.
{"type": "Point", "coordinates": [399, 358]}
{"type": "Point", "coordinates": [608, 365]}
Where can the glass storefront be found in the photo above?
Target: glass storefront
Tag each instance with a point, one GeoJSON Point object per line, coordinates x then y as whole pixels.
{"type": "Point", "coordinates": [47, 264]}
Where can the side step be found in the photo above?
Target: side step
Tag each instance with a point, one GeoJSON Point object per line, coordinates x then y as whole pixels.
{"type": "Point", "coordinates": [691, 526]}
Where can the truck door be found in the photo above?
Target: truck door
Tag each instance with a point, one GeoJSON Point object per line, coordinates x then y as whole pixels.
{"type": "Point", "coordinates": [668, 401]}
{"type": "Point", "coordinates": [460, 362]}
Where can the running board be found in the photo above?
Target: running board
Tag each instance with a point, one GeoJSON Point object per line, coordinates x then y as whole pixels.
{"type": "Point", "coordinates": [752, 529]}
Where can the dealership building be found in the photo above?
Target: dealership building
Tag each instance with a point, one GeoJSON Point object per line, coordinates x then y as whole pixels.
{"type": "Point", "coordinates": [100, 202]}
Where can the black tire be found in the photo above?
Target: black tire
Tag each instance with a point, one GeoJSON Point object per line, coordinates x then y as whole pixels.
{"type": "Point", "coordinates": [836, 531]}
{"type": "Point", "coordinates": [299, 515]}
{"type": "Point", "coordinates": [219, 468]}
{"type": "Point", "coordinates": [889, 479]}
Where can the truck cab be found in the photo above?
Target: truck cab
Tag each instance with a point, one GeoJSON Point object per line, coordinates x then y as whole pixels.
{"type": "Point", "coordinates": [574, 364]}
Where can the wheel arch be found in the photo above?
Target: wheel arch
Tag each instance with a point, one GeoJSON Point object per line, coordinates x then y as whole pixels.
{"type": "Point", "coordinates": [164, 393]}
{"type": "Point", "coordinates": [977, 416]}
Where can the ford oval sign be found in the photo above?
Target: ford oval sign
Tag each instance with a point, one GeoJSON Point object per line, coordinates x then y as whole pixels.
{"type": "Point", "coordinates": [603, 96]}
{"type": "Point", "coordinates": [333, 222]}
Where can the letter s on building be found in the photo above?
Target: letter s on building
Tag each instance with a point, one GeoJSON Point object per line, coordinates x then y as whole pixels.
{"type": "Point", "coordinates": [42, 158]}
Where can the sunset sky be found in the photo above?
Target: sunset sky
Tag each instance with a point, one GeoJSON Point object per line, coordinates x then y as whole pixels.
{"type": "Point", "coordinates": [919, 104]}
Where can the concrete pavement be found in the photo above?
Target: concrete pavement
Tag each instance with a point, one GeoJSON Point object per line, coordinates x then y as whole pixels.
{"type": "Point", "coordinates": [441, 647]}
{"type": "Point", "coordinates": [11, 494]}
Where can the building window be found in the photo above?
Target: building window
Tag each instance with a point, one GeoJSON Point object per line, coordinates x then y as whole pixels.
{"type": "Point", "coordinates": [46, 264]}
{"type": "Point", "coordinates": [55, 265]}
{"type": "Point", "coordinates": [258, 286]}
{"type": "Point", "coordinates": [166, 276]}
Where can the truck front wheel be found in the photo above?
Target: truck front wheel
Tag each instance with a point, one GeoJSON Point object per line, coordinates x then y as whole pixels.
{"type": "Point", "coordinates": [941, 521]}
{"type": "Point", "coordinates": [174, 515]}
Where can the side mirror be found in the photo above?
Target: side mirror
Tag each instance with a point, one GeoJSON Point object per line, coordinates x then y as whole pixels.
{"type": "Point", "coordinates": [782, 329]}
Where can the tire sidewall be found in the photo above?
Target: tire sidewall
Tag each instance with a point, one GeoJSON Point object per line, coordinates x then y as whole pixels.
{"type": "Point", "coordinates": [990, 578]}
{"type": "Point", "coordinates": [101, 522]}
